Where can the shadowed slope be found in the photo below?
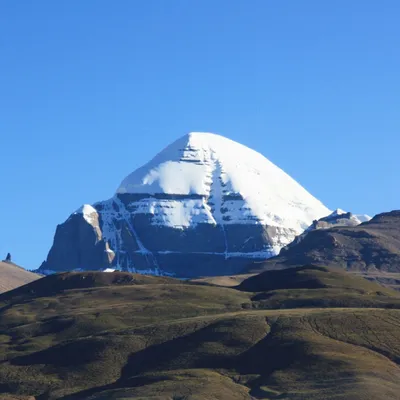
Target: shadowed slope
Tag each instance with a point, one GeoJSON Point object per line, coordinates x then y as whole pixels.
{"type": "Point", "coordinates": [57, 283]}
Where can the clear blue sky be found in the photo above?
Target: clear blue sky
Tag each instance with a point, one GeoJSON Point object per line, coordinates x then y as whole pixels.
{"type": "Point", "coordinates": [90, 90]}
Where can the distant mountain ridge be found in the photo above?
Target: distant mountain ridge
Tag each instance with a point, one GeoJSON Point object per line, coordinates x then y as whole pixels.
{"type": "Point", "coordinates": [335, 219]}
{"type": "Point", "coordinates": [372, 247]}
{"type": "Point", "coordinates": [205, 205]}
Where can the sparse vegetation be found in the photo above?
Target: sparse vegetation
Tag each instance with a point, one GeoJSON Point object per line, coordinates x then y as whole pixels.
{"type": "Point", "coordinates": [124, 336]}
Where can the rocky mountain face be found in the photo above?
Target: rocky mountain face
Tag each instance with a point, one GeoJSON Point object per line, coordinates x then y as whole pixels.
{"type": "Point", "coordinates": [205, 205]}
{"type": "Point", "coordinates": [372, 248]}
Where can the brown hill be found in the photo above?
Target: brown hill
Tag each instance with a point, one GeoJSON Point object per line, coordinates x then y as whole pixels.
{"type": "Point", "coordinates": [371, 248]}
{"type": "Point", "coordinates": [57, 283]}
{"type": "Point", "coordinates": [13, 276]}
{"type": "Point", "coordinates": [315, 286]}
{"type": "Point", "coordinates": [131, 337]}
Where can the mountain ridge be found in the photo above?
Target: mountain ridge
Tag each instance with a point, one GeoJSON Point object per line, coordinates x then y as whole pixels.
{"type": "Point", "coordinates": [372, 247]}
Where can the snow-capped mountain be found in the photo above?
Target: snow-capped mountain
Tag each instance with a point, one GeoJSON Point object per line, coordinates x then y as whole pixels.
{"type": "Point", "coordinates": [204, 205]}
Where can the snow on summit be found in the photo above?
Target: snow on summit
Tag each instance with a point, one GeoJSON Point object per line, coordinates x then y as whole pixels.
{"type": "Point", "coordinates": [227, 183]}
{"type": "Point", "coordinates": [88, 212]}
{"type": "Point", "coordinates": [205, 205]}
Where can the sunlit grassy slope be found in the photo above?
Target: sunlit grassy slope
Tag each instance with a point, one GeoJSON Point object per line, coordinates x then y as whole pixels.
{"type": "Point", "coordinates": [311, 333]}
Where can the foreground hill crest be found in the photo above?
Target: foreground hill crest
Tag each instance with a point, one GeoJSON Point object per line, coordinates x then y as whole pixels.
{"type": "Point", "coordinates": [203, 200]}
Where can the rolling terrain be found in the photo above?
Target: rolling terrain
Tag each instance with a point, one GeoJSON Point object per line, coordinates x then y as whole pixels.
{"type": "Point", "coordinates": [303, 333]}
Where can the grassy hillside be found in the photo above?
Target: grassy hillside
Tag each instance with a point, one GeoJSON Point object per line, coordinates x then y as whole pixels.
{"type": "Point", "coordinates": [130, 337]}
{"type": "Point", "coordinates": [315, 286]}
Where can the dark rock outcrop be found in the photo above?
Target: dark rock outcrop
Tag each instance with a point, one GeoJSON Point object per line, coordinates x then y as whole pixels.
{"type": "Point", "coordinates": [78, 245]}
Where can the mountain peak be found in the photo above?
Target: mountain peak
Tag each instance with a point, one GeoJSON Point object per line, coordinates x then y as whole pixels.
{"type": "Point", "coordinates": [212, 141]}
{"type": "Point", "coordinates": [185, 166]}
{"type": "Point", "coordinates": [223, 171]}
{"type": "Point", "coordinates": [205, 136]}
{"type": "Point", "coordinates": [204, 201]}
